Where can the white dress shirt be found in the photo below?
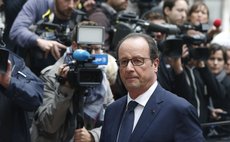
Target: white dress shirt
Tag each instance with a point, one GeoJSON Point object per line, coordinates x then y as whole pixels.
{"type": "Point", "coordinates": [142, 101]}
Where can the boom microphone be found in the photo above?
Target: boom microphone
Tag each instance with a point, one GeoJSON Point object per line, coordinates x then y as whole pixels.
{"type": "Point", "coordinates": [217, 23]}
{"type": "Point", "coordinates": [163, 28]}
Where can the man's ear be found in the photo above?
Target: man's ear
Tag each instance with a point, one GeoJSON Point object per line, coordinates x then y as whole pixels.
{"type": "Point", "coordinates": [74, 45]}
{"type": "Point", "coordinates": [156, 63]}
{"type": "Point", "coordinates": [167, 11]}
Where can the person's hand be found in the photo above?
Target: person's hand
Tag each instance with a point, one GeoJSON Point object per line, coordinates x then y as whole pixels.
{"type": "Point", "coordinates": [82, 135]}
{"type": "Point", "coordinates": [6, 77]}
{"type": "Point", "coordinates": [89, 5]}
{"type": "Point", "coordinates": [192, 32]}
{"type": "Point", "coordinates": [213, 31]}
{"type": "Point", "coordinates": [51, 46]}
{"type": "Point", "coordinates": [176, 63]}
{"type": "Point", "coordinates": [185, 51]}
{"type": "Point", "coordinates": [199, 63]}
{"type": "Point", "coordinates": [216, 113]}
{"type": "Point", "coordinates": [63, 72]}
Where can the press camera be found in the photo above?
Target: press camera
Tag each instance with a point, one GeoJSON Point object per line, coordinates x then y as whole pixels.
{"type": "Point", "coordinates": [172, 46]}
{"type": "Point", "coordinates": [84, 69]}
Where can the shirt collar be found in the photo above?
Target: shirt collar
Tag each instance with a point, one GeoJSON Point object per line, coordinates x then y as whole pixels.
{"type": "Point", "coordinates": [143, 98]}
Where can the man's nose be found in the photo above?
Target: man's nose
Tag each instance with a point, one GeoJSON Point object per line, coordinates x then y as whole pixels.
{"type": "Point", "coordinates": [215, 61]}
{"type": "Point", "coordinates": [129, 65]}
{"type": "Point", "coordinates": [72, 4]}
{"type": "Point", "coordinates": [93, 51]}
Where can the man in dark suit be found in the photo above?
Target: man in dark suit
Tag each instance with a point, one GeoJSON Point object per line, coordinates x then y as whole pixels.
{"type": "Point", "coordinates": [159, 116]}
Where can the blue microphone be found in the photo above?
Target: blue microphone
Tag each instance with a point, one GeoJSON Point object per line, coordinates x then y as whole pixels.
{"type": "Point", "coordinates": [83, 55]}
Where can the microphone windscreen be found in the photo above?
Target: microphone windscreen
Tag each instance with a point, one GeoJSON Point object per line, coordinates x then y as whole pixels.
{"type": "Point", "coordinates": [217, 22]}
{"type": "Point", "coordinates": [81, 55]}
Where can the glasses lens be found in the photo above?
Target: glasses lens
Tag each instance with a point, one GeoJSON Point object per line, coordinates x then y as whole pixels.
{"type": "Point", "coordinates": [137, 61]}
{"type": "Point", "coordinates": [123, 62]}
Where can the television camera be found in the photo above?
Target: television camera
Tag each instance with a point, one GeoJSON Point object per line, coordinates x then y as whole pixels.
{"type": "Point", "coordinates": [129, 22]}
{"type": "Point", "coordinates": [84, 69]}
{"type": "Point", "coordinates": [172, 46]}
{"type": "Point", "coordinates": [52, 31]}
{"type": "Point", "coordinates": [56, 31]}
{"type": "Point", "coordinates": [176, 35]}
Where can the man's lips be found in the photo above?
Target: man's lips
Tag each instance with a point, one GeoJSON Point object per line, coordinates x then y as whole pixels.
{"type": "Point", "coordinates": [131, 77]}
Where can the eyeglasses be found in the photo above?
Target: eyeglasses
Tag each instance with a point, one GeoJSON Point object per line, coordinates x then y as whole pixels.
{"type": "Point", "coordinates": [136, 61]}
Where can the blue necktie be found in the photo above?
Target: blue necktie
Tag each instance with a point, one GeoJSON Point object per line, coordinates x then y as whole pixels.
{"type": "Point", "coordinates": [127, 123]}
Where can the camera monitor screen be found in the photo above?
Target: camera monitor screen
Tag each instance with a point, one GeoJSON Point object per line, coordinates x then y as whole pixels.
{"type": "Point", "coordinates": [4, 54]}
{"type": "Point", "coordinates": [90, 35]}
{"type": "Point", "coordinates": [89, 77]}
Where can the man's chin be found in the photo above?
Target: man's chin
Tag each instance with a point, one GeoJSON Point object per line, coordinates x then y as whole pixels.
{"type": "Point", "coordinates": [65, 16]}
{"type": "Point", "coordinates": [132, 86]}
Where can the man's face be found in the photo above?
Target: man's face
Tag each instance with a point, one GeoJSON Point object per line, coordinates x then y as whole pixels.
{"type": "Point", "coordinates": [216, 62]}
{"type": "Point", "coordinates": [178, 14]}
{"type": "Point", "coordinates": [227, 66]}
{"type": "Point", "coordinates": [64, 8]}
{"type": "Point", "coordinates": [118, 5]}
{"type": "Point", "coordinates": [136, 78]}
{"type": "Point", "coordinates": [158, 36]}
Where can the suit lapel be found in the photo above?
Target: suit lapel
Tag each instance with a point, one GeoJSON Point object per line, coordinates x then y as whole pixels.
{"type": "Point", "coordinates": [150, 111]}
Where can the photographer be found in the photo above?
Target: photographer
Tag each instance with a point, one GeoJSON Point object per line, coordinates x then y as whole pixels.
{"type": "Point", "coordinates": [56, 120]}
{"type": "Point", "coordinates": [42, 52]}
{"type": "Point", "coordinates": [20, 93]}
{"type": "Point", "coordinates": [175, 11]}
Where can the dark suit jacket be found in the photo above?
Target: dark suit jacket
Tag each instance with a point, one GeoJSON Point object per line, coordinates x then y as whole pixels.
{"type": "Point", "coordinates": [165, 118]}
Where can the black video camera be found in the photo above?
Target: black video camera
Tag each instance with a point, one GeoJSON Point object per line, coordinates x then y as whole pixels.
{"type": "Point", "coordinates": [197, 39]}
{"type": "Point", "coordinates": [52, 31]}
{"type": "Point", "coordinates": [200, 27]}
{"type": "Point", "coordinates": [84, 69]}
{"type": "Point", "coordinates": [129, 22]}
{"type": "Point", "coordinates": [172, 46]}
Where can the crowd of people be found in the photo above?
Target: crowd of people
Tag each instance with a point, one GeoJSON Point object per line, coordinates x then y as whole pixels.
{"type": "Point", "coordinates": [172, 70]}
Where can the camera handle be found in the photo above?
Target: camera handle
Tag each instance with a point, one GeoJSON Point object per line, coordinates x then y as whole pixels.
{"type": "Point", "coordinates": [78, 103]}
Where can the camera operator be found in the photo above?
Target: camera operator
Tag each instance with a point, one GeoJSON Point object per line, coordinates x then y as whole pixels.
{"type": "Point", "coordinates": [21, 92]}
{"type": "Point", "coordinates": [155, 17]}
{"type": "Point", "coordinates": [185, 74]}
{"type": "Point", "coordinates": [175, 11]}
{"type": "Point", "coordinates": [42, 52]}
{"type": "Point", "coordinates": [56, 120]}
